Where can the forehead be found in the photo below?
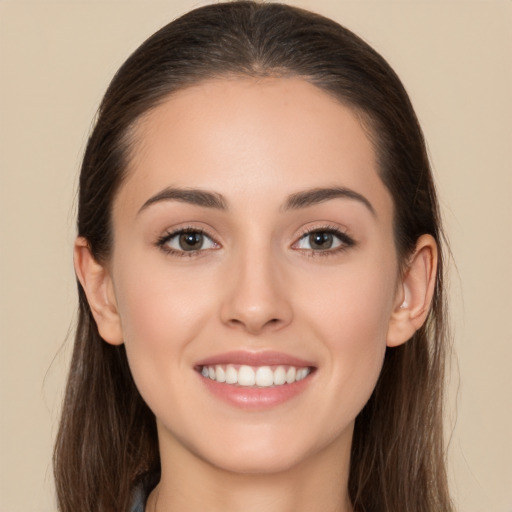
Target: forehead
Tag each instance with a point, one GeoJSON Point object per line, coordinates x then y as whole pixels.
{"type": "Point", "coordinates": [252, 138]}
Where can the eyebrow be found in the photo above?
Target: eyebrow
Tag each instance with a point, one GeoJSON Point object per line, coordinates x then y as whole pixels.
{"type": "Point", "coordinates": [197, 197]}
{"type": "Point", "coordinates": [320, 195]}
{"type": "Point", "coordinates": [303, 199]}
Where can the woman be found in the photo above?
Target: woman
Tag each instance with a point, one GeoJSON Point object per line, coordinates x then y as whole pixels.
{"type": "Point", "coordinates": [262, 320]}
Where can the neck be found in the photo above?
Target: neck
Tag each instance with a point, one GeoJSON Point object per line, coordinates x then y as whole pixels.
{"type": "Point", "coordinates": [190, 484]}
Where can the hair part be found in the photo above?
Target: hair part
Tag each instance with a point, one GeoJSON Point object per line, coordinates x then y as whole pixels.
{"type": "Point", "coordinates": [107, 439]}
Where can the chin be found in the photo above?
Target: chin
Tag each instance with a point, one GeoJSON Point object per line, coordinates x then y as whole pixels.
{"type": "Point", "coordinates": [265, 452]}
{"type": "Point", "coordinates": [261, 463]}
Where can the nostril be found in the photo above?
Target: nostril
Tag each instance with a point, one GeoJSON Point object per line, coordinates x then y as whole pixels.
{"type": "Point", "coordinates": [234, 322]}
{"type": "Point", "coordinates": [253, 325]}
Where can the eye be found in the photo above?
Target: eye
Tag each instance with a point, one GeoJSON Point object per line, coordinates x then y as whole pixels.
{"type": "Point", "coordinates": [186, 241]}
{"type": "Point", "coordinates": [323, 240]}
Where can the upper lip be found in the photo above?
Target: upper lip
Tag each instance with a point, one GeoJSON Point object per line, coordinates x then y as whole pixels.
{"type": "Point", "coordinates": [262, 358]}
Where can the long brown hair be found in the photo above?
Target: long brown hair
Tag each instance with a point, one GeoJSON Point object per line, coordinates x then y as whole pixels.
{"type": "Point", "coordinates": [107, 440]}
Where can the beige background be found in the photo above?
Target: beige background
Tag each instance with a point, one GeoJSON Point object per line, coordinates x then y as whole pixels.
{"type": "Point", "coordinates": [56, 59]}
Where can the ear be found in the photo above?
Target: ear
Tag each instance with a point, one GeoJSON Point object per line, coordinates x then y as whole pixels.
{"type": "Point", "coordinates": [97, 284]}
{"type": "Point", "coordinates": [414, 293]}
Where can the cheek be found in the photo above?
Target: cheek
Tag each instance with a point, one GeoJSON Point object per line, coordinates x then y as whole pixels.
{"type": "Point", "coordinates": [355, 334]}
{"type": "Point", "coordinates": [354, 305]}
{"type": "Point", "coordinates": [161, 313]}
{"type": "Point", "coordinates": [158, 302]}
{"type": "Point", "coordinates": [352, 318]}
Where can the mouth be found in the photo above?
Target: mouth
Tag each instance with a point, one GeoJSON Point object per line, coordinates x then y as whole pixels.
{"type": "Point", "coordinates": [255, 380]}
{"type": "Point", "coordinates": [255, 376]}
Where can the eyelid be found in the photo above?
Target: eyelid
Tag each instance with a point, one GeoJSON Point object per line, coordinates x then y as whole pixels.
{"type": "Point", "coordinates": [169, 234]}
{"type": "Point", "coordinates": [346, 240]}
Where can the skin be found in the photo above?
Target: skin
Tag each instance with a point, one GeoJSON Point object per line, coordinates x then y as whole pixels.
{"type": "Point", "coordinates": [256, 286]}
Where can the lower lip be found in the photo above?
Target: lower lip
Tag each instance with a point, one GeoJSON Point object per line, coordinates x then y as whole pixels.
{"type": "Point", "coordinates": [253, 398]}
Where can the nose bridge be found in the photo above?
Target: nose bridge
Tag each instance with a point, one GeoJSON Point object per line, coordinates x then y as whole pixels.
{"type": "Point", "coordinates": [255, 298]}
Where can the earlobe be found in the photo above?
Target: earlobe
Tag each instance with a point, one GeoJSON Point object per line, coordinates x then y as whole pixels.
{"type": "Point", "coordinates": [98, 287]}
{"type": "Point", "coordinates": [414, 296]}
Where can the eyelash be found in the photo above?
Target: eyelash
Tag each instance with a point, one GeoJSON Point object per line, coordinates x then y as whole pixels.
{"type": "Point", "coordinates": [346, 241]}
{"type": "Point", "coordinates": [167, 237]}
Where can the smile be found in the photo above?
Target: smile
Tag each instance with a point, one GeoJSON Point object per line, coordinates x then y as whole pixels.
{"type": "Point", "coordinates": [255, 376]}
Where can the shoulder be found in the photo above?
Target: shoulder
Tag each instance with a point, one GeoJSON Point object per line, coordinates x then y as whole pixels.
{"type": "Point", "coordinates": [141, 492]}
{"type": "Point", "coordinates": [139, 499]}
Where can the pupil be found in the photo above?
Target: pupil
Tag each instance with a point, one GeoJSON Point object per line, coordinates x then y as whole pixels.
{"type": "Point", "coordinates": [191, 241]}
{"type": "Point", "coordinates": [320, 240]}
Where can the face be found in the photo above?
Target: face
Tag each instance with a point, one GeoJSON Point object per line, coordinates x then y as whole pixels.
{"type": "Point", "coordinates": [253, 242]}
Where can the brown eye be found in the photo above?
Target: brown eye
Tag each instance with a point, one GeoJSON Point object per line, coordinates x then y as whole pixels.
{"type": "Point", "coordinates": [324, 240]}
{"type": "Point", "coordinates": [186, 241]}
{"type": "Point", "coordinates": [321, 240]}
{"type": "Point", "coordinates": [191, 241]}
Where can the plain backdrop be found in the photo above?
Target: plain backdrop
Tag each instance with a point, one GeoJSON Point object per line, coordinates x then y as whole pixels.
{"type": "Point", "coordinates": [56, 59]}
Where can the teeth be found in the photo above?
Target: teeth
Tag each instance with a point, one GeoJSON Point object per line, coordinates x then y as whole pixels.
{"type": "Point", "coordinates": [261, 376]}
{"type": "Point", "coordinates": [279, 376]}
{"type": "Point", "coordinates": [220, 374]}
{"type": "Point", "coordinates": [231, 375]}
{"type": "Point", "coordinates": [246, 376]}
{"type": "Point", "coordinates": [302, 373]}
{"type": "Point", "coordinates": [264, 376]}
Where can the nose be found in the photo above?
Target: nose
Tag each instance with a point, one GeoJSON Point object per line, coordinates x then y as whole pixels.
{"type": "Point", "coordinates": [255, 296]}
